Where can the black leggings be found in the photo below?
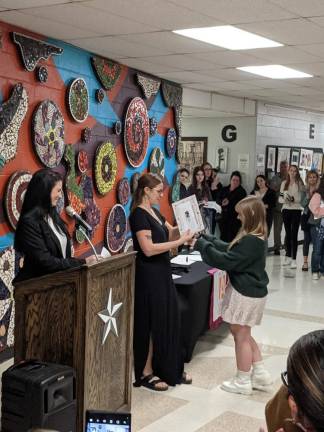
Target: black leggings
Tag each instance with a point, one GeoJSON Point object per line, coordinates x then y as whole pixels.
{"type": "Point", "coordinates": [291, 220]}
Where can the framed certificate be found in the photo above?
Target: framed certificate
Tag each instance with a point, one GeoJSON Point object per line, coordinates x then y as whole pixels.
{"type": "Point", "coordinates": [187, 214]}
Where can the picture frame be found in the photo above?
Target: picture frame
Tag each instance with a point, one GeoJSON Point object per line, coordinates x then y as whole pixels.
{"type": "Point", "coordinates": [283, 154]}
{"type": "Point", "coordinates": [306, 159]}
{"type": "Point", "coordinates": [295, 156]}
{"type": "Point", "coordinates": [317, 161]}
{"type": "Point", "coordinates": [221, 159]}
{"type": "Point", "coordinates": [188, 216]}
{"type": "Point", "coordinates": [192, 152]}
{"type": "Point", "coordinates": [271, 158]}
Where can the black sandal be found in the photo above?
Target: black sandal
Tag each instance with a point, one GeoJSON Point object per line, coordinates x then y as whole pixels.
{"type": "Point", "coordinates": [150, 382]}
{"type": "Point", "coordinates": [185, 379]}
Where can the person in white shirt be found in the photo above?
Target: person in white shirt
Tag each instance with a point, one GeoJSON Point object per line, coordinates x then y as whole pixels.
{"type": "Point", "coordinates": [292, 192]}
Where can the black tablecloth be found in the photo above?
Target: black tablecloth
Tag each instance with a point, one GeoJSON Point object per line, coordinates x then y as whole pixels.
{"type": "Point", "coordinates": [194, 290]}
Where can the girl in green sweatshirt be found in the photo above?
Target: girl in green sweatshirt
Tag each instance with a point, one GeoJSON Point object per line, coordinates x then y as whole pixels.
{"type": "Point", "coordinates": [244, 301]}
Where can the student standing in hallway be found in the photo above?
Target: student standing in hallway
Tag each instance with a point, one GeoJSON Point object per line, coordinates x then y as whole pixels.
{"type": "Point", "coordinates": [275, 184]}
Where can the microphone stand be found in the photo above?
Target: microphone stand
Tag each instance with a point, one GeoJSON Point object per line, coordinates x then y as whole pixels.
{"type": "Point", "coordinates": [80, 228]}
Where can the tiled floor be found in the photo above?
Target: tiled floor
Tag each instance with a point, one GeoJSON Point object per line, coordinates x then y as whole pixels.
{"type": "Point", "coordinates": [295, 306]}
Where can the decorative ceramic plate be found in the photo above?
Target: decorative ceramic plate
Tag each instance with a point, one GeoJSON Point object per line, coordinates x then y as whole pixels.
{"type": "Point", "coordinates": [105, 167]}
{"type": "Point", "coordinates": [60, 204]}
{"type": "Point", "coordinates": [83, 161]}
{"type": "Point", "coordinates": [42, 74]}
{"type": "Point", "coordinates": [150, 86]}
{"type": "Point", "coordinates": [78, 100]}
{"type": "Point", "coordinates": [153, 126]}
{"type": "Point", "coordinates": [116, 228]}
{"type": "Point", "coordinates": [123, 191]}
{"type": "Point", "coordinates": [171, 142]}
{"type": "Point", "coordinates": [15, 194]}
{"type": "Point", "coordinates": [118, 127]}
{"type": "Point", "coordinates": [128, 245]}
{"type": "Point", "coordinates": [100, 95]}
{"type": "Point", "coordinates": [107, 71]}
{"type": "Point", "coordinates": [86, 135]}
{"type": "Point", "coordinates": [157, 162]}
{"type": "Point", "coordinates": [136, 132]}
{"type": "Point", "coordinates": [48, 133]}
{"type": "Point", "coordinates": [172, 94]}
{"type": "Point", "coordinates": [134, 181]}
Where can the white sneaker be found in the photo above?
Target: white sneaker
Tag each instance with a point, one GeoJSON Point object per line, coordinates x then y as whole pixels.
{"type": "Point", "coordinates": [261, 380]}
{"type": "Point", "coordinates": [238, 385]}
{"type": "Point", "coordinates": [315, 276]}
{"type": "Point", "coordinates": [293, 264]}
{"type": "Point", "coordinates": [287, 261]}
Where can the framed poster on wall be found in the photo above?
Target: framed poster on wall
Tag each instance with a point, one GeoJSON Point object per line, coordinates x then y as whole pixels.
{"type": "Point", "coordinates": [283, 156]}
{"type": "Point", "coordinates": [192, 152]}
{"type": "Point", "coordinates": [271, 158]}
{"type": "Point", "coordinates": [295, 155]}
{"type": "Point", "coordinates": [317, 161]}
{"type": "Point", "coordinates": [306, 158]}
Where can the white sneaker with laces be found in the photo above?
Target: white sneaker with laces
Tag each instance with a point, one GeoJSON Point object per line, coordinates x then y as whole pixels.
{"type": "Point", "coordinates": [315, 276]}
{"type": "Point", "coordinates": [293, 264]}
{"type": "Point", "coordinates": [240, 384]}
{"type": "Point", "coordinates": [261, 380]}
{"type": "Point", "coordinates": [287, 261]}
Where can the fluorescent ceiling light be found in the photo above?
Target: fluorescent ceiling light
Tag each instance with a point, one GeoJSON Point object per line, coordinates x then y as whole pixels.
{"type": "Point", "coordinates": [275, 71]}
{"type": "Point", "coordinates": [228, 37]}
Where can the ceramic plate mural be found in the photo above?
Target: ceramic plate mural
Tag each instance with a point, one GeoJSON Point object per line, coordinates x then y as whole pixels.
{"type": "Point", "coordinates": [128, 245]}
{"type": "Point", "coordinates": [42, 74]}
{"type": "Point", "coordinates": [15, 194]}
{"type": "Point", "coordinates": [78, 100]}
{"type": "Point", "coordinates": [116, 228]}
{"type": "Point", "coordinates": [105, 167]}
{"type": "Point", "coordinates": [48, 133]}
{"type": "Point", "coordinates": [107, 71]}
{"type": "Point", "coordinates": [86, 135]}
{"type": "Point", "coordinates": [157, 162]}
{"type": "Point", "coordinates": [83, 161]}
{"type": "Point", "coordinates": [136, 132]}
{"type": "Point", "coordinates": [134, 181]}
{"type": "Point", "coordinates": [149, 86]}
{"type": "Point", "coordinates": [171, 142]}
{"type": "Point", "coordinates": [153, 126]}
{"type": "Point", "coordinates": [123, 191]}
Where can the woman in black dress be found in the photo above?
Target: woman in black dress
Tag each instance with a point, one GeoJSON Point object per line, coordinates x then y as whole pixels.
{"type": "Point", "coordinates": [157, 351]}
{"type": "Point", "coordinates": [41, 235]}
{"type": "Point", "coordinates": [268, 196]}
{"type": "Point", "coordinates": [230, 195]}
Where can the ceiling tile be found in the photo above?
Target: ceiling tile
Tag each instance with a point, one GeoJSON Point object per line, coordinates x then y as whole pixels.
{"type": "Point", "coordinates": [172, 42]}
{"type": "Point", "coordinates": [229, 58]}
{"type": "Point", "coordinates": [315, 49]}
{"type": "Point", "coordinates": [86, 18]}
{"type": "Point", "coordinates": [181, 76]}
{"type": "Point", "coordinates": [181, 61]}
{"type": "Point", "coordinates": [44, 26]}
{"type": "Point", "coordinates": [145, 66]}
{"type": "Point", "coordinates": [115, 46]}
{"type": "Point", "coordinates": [284, 55]}
{"type": "Point", "coordinates": [236, 11]}
{"type": "Point", "coordinates": [161, 14]}
{"type": "Point", "coordinates": [22, 4]}
{"type": "Point", "coordinates": [311, 68]}
{"type": "Point", "coordinates": [289, 32]}
{"type": "Point", "coordinates": [303, 8]}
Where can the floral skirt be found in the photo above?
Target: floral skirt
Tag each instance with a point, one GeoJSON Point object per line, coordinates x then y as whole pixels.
{"type": "Point", "coordinates": [242, 310]}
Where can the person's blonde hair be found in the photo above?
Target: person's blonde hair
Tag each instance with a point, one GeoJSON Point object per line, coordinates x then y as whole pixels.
{"type": "Point", "coordinates": [253, 217]}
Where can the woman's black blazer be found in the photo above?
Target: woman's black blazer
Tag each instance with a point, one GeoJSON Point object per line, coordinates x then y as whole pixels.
{"type": "Point", "coordinates": [41, 250]}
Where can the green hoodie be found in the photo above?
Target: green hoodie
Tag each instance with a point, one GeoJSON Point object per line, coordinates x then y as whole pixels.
{"type": "Point", "coordinates": [244, 262]}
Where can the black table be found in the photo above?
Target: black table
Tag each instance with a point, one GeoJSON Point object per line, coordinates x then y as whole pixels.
{"type": "Point", "coordinates": [194, 291]}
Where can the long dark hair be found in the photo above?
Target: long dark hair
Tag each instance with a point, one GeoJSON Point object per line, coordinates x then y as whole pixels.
{"type": "Point", "coordinates": [256, 187]}
{"type": "Point", "coordinates": [320, 188]}
{"type": "Point", "coordinates": [37, 202]}
{"type": "Point", "coordinates": [146, 180]}
{"type": "Point", "coordinates": [299, 180]}
{"type": "Point", "coordinates": [194, 180]}
{"type": "Point", "coordinates": [305, 370]}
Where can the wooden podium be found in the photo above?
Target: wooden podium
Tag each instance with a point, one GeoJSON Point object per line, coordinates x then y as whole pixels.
{"type": "Point", "coordinates": [57, 321]}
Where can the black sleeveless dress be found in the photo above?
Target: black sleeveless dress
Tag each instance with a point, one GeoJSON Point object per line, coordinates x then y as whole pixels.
{"type": "Point", "coordinates": [156, 304]}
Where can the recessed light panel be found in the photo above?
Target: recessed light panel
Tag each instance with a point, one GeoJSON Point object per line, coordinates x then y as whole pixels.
{"type": "Point", "coordinates": [228, 37]}
{"type": "Point", "coordinates": [275, 71]}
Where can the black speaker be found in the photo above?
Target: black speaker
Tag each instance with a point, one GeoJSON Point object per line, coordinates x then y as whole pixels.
{"type": "Point", "coordinates": [37, 394]}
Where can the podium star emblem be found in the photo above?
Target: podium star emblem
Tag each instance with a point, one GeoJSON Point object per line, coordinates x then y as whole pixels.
{"type": "Point", "coordinates": [107, 316]}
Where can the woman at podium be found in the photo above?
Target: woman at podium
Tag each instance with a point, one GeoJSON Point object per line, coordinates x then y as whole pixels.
{"type": "Point", "coordinates": [157, 351]}
{"type": "Point", "coordinates": [41, 235]}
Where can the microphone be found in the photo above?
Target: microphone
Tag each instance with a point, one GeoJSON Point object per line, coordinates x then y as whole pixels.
{"type": "Point", "coordinates": [73, 214]}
